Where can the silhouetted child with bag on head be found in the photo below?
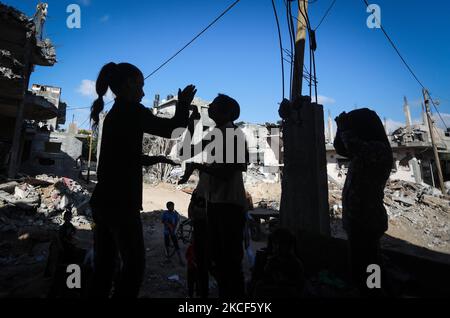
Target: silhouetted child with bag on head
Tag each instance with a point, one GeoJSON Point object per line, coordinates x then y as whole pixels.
{"type": "Point", "coordinates": [362, 138]}
{"type": "Point", "coordinates": [117, 199]}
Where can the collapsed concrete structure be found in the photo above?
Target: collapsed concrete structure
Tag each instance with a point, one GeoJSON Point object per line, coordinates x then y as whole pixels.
{"type": "Point", "coordinates": [411, 145]}
{"type": "Point", "coordinates": [20, 52]}
{"type": "Point", "coordinates": [413, 154]}
{"type": "Point", "coordinates": [263, 140]}
{"type": "Point", "coordinates": [29, 119]}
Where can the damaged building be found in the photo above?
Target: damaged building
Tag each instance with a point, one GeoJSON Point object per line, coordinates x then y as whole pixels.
{"type": "Point", "coordinates": [411, 145]}
{"type": "Point", "coordinates": [412, 151]}
{"type": "Point", "coordinates": [29, 118]}
{"type": "Point", "coordinates": [263, 140]}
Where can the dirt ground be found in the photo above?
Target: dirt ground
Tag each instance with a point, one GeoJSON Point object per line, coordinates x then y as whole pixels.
{"type": "Point", "coordinates": [22, 276]}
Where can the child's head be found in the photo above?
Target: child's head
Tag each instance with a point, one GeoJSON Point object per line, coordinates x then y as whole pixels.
{"type": "Point", "coordinates": [224, 109]}
{"type": "Point", "coordinates": [126, 82]}
{"type": "Point", "coordinates": [170, 206]}
{"type": "Point", "coordinates": [282, 242]}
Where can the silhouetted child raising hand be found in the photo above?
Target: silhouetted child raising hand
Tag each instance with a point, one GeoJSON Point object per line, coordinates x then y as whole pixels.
{"type": "Point", "coordinates": [117, 198]}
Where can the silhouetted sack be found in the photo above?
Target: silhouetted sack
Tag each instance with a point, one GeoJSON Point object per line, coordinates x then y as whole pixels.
{"type": "Point", "coordinates": [197, 207]}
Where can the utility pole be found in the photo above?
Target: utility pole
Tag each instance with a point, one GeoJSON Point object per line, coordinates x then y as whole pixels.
{"type": "Point", "coordinates": [299, 54]}
{"type": "Point", "coordinates": [304, 198]}
{"type": "Point", "coordinates": [426, 97]}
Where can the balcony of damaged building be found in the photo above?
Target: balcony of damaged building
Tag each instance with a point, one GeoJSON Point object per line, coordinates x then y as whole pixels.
{"type": "Point", "coordinates": [24, 145]}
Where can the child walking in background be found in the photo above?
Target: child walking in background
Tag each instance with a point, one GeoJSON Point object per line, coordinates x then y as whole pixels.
{"type": "Point", "coordinates": [170, 219]}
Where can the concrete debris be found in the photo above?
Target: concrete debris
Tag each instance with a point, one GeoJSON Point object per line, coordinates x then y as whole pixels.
{"type": "Point", "coordinates": [419, 206]}
{"type": "Point", "coordinates": [31, 211]}
{"type": "Point", "coordinates": [270, 205]}
{"type": "Point", "coordinates": [8, 73]}
{"type": "Point", "coordinates": [255, 174]}
{"type": "Point", "coordinates": [41, 201]}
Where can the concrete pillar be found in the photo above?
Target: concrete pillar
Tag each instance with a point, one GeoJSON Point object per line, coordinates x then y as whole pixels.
{"type": "Point", "coordinates": [330, 128]}
{"type": "Point", "coordinates": [101, 119]}
{"type": "Point", "coordinates": [407, 113]}
{"type": "Point", "coordinates": [304, 199]}
{"type": "Point", "coordinates": [416, 170]}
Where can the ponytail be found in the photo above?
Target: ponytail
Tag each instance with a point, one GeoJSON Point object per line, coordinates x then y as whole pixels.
{"type": "Point", "coordinates": [101, 87]}
{"type": "Point", "coordinates": [111, 76]}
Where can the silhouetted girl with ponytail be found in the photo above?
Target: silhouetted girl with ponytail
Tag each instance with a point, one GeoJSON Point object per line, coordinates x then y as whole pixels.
{"type": "Point", "coordinates": [117, 198]}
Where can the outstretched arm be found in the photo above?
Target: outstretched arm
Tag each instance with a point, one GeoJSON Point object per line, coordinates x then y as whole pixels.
{"type": "Point", "coordinates": [152, 160]}
{"type": "Point", "coordinates": [164, 127]}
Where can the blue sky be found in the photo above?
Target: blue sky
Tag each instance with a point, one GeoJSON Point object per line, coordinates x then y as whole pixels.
{"type": "Point", "coordinates": [239, 56]}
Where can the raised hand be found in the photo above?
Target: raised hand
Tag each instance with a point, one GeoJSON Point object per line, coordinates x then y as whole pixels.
{"type": "Point", "coordinates": [187, 173]}
{"type": "Point", "coordinates": [186, 96]}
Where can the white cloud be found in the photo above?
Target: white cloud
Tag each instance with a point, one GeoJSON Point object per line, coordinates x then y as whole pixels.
{"type": "Point", "coordinates": [87, 89]}
{"type": "Point", "coordinates": [324, 100]}
{"type": "Point", "coordinates": [105, 18]}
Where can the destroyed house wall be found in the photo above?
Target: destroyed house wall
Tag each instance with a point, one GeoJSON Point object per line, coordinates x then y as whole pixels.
{"type": "Point", "coordinates": [53, 153]}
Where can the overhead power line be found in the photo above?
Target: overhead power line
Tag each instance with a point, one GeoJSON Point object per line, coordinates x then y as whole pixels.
{"type": "Point", "coordinates": [406, 64]}
{"type": "Point", "coordinates": [188, 43]}
{"type": "Point", "coordinates": [326, 14]}
{"type": "Point", "coordinates": [193, 39]}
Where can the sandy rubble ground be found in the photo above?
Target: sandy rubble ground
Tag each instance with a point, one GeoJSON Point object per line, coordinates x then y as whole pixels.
{"type": "Point", "coordinates": [23, 278]}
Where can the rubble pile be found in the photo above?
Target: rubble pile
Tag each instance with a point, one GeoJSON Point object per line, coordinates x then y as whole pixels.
{"type": "Point", "coordinates": [268, 204]}
{"type": "Point", "coordinates": [41, 201]}
{"type": "Point", "coordinates": [419, 207]}
{"type": "Point", "coordinates": [255, 174]}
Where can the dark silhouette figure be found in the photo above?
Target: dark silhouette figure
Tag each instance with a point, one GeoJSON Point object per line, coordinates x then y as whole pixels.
{"type": "Point", "coordinates": [222, 187]}
{"type": "Point", "coordinates": [283, 275]}
{"type": "Point", "coordinates": [361, 138]}
{"type": "Point", "coordinates": [117, 198]}
{"type": "Point", "coordinates": [192, 271]}
{"type": "Point", "coordinates": [197, 213]}
{"type": "Point", "coordinates": [64, 251]}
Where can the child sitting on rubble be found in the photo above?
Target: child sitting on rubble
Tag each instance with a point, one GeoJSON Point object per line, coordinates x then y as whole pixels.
{"type": "Point", "coordinates": [170, 219]}
{"type": "Point", "coordinates": [63, 252]}
{"type": "Point", "coordinates": [283, 274]}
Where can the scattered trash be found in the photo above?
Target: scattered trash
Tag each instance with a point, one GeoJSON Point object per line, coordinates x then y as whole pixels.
{"type": "Point", "coordinates": [174, 277]}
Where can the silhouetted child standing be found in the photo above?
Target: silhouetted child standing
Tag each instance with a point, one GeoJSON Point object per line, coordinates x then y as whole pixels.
{"type": "Point", "coordinates": [361, 138]}
{"type": "Point", "coordinates": [170, 219]}
{"type": "Point", "coordinates": [117, 198]}
{"type": "Point", "coordinates": [192, 270]}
